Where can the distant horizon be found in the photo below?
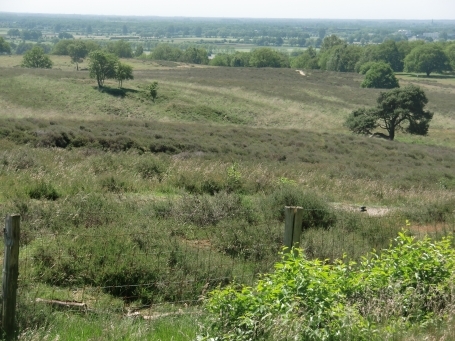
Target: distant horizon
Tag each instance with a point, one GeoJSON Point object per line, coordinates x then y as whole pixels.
{"type": "Point", "coordinates": [215, 17]}
{"type": "Point", "coordinates": [439, 10]}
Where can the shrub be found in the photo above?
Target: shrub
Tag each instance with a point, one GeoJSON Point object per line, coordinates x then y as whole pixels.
{"type": "Point", "coordinates": [316, 211]}
{"type": "Point", "coordinates": [114, 185]}
{"type": "Point", "coordinates": [35, 58]}
{"type": "Point", "coordinates": [238, 238]}
{"type": "Point", "coordinates": [43, 190]}
{"type": "Point", "coordinates": [303, 299]}
{"type": "Point", "coordinates": [204, 210]}
{"type": "Point", "coordinates": [151, 167]}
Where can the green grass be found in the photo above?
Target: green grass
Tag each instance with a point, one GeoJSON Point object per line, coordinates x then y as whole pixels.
{"type": "Point", "coordinates": [69, 327]}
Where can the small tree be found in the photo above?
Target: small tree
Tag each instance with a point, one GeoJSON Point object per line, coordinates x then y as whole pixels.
{"type": "Point", "coordinates": [77, 52]}
{"type": "Point", "coordinates": [35, 58]}
{"type": "Point", "coordinates": [153, 88]}
{"type": "Point", "coordinates": [379, 75]}
{"type": "Point", "coordinates": [123, 72]}
{"type": "Point", "coordinates": [102, 66]}
{"type": "Point", "coordinates": [397, 109]}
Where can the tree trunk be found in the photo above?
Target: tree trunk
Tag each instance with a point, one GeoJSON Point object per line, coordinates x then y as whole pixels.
{"type": "Point", "coordinates": [391, 134]}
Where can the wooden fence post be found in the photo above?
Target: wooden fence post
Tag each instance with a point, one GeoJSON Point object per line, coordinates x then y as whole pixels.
{"type": "Point", "coordinates": [10, 274]}
{"type": "Point", "coordinates": [293, 217]}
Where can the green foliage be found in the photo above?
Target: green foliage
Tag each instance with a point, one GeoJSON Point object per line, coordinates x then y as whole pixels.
{"type": "Point", "coordinates": [305, 299]}
{"type": "Point", "coordinates": [240, 59]}
{"type": "Point", "coordinates": [166, 52]}
{"type": "Point", "coordinates": [102, 66]}
{"type": "Point", "coordinates": [14, 32]}
{"type": "Point", "coordinates": [206, 210]}
{"type": "Point", "coordinates": [316, 211]}
{"type": "Point", "coordinates": [22, 48]}
{"type": "Point", "coordinates": [151, 167]}
{"type": "Point", "coordinates": [259, 242]}
{"type": "Point", "coordinates": [379, 75]}
{"type": "Point", "coordinates": [195, 55]}
{"type": "Point", "coordinates": [450, 53]}
{"type": "Point", "coordinates": [330, 42]}
{"type": "Point", "coordinates": [234, 179]}
{"type": "Point", "coordinates": [43, 190]}
{"type": "Point", "coordinates": [113, 184]}
{"type": "Point", "coordinates": [35, 58]}
{"type": "Point", "coordinates": [361, 121]}
{"type": "Point", "coordinates": [61, 48]}
{"type": "Point", "coordinates": [123, 72]}
{"type": "Point", "coordinates": [4, 46]}
{"type": "Point", "coordinates": [342, 58]}
{"type": "Point", "coordinates": [139, 51]}
{"type": "Point", "coordinates": [31, 34]}
{"type": "Point", "coordinates": [153, 90]}
{"type": "Point", "coordinates": [397, 110]}
{"type": "Point", "coordinates": [386, 52]}
{"type": "Point", "coordinates": [267, 57]}
{"type": "Point", "coordinates": [427, 58]}
{"type": "Point", "coordinates": [120, 48]}
{"type": "Point", "coordinates": [77, 51]}
{"type": "Point", "coordinates": [307, 60]}
{"type": "Point", "coordinates": [221, 59]}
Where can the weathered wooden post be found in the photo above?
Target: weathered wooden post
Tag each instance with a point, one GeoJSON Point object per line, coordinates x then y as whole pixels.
{"type": "Point", "coordinates": [10, 274]}
{"type": "Point", "coordinates": [293, 217]}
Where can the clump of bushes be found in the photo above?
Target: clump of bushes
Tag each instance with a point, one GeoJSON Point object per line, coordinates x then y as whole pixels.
{"type": "Point", "coordinates": [43, 190]}
{"type": "Point", "coordinates": [316, 211]}
{"type": "Point", "coordinates": [205, 210]}
{"type": "Point", "coordinates": [386, 293]}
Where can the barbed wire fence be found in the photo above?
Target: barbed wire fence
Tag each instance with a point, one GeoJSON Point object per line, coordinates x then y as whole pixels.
{"type": "Point", "coordinates": [161, 268]}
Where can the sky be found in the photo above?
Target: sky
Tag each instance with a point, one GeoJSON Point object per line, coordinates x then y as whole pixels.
{"type": "Point", "coordinates": [310, 9]}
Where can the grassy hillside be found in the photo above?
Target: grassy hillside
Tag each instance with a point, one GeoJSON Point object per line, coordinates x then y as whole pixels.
{"type": "Point", "coordinates": [174, 197]}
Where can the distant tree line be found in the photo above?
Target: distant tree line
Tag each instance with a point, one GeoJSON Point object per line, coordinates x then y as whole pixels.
{"type": "Point", "coordinates": [336, 55]}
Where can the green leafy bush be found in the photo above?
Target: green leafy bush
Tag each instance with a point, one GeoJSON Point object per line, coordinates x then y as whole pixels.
{"type": "Point", "coordinates": [407, 285]}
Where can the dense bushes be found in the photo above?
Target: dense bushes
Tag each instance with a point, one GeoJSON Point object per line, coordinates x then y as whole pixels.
{"type": "Point", "coordinates": [191, 54]}
{"type": "Point", "coordinates": [312, 300]}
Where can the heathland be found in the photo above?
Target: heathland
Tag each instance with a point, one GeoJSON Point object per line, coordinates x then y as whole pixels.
{"type": "Point", "coordinates": [138, 207]}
